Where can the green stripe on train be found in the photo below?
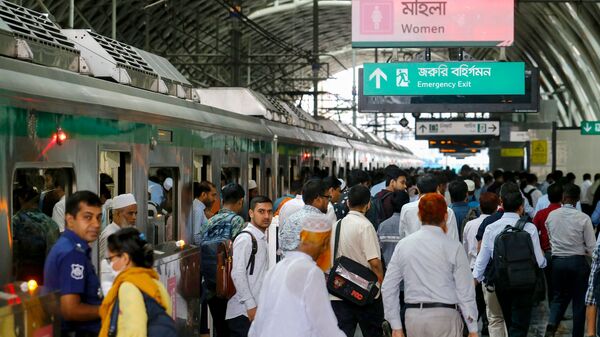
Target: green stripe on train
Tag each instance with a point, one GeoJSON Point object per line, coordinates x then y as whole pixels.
{"type": "Point", "coordinates": [19, 122]}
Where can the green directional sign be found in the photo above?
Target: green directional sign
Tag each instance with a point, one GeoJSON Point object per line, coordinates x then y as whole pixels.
{"type": "Point", "coordinates": [590, 128]}
{"type": "Point", "coordinates": [444, 78]}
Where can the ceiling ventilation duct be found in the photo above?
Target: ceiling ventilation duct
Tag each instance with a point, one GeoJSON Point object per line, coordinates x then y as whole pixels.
{"type": "Point", "coordinates": [31, 36]}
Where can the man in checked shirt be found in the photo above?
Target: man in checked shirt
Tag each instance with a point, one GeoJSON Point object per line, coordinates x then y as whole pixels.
{"type": "Point", "coordinates": [590, 298]}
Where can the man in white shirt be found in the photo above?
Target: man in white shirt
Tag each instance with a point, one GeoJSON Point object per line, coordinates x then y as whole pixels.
{"type": "Point", "coordinates": [58, 212]}
{"type": "Point", "coordinates": [124, 214]}
{"type": "Point", "coordinates": [586, 202]}
{"type": "Point", "coordinates": [516, 305]}
{"type": "Point", "coordinates": [530, 191]}
{"type": "Point", "coordinates": [572, 239]}
{"type": "Point", "coordinates": [437, 279]}
{"type": "Point", "coordinates": [409, 217]}
{"type": "Point", "coordinates": [488, 203]}
{"type": "Point", "coordinates": [250, 263]}
{"type": "Point", "coordinates": [293, 301]}
{"type": "Point", "coordinates": [358, 241]}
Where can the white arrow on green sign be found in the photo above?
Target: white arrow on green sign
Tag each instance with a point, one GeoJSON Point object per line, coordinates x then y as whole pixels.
{"type": "Point", "coordinates": [444, 78]}
{"type": "Point", "coordinates": [590, 128]}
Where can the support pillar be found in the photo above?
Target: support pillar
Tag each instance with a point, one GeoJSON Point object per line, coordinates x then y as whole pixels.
{"type": "Point", "coordinates": [315, 66]}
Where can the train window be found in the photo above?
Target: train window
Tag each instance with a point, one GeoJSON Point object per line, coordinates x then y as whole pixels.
{"type": "Point", "coordinates": [254, 173]}
{"type": "Point", "coordinates": [202, 168]}
{"type": "Point", "coordinates": [334, 168]}
{"type": "Point", "coordinates": [293, 172]}
{"type": "Point", "coordinates": [341, 174]}
{"type": "Point", "coordinates": [283, 182]}
{"type": "Point", "coordinates": [115, 177]}
{"type": "Point", "coordinates": [269, 190]}
{"type": "Point", "coordinates": [38, 205]}
{"type": "Point", "coordinates": [230, 175]}
{"type": "Point", "coordinates": [163, 201]}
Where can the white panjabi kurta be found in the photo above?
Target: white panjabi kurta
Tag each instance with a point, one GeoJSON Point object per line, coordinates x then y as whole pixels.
{"type": "Point", "coordinates": [294, 301]}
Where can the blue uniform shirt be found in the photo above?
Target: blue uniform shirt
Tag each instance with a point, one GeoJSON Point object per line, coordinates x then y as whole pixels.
{"type": "Point", "coordinates": [69, 270]}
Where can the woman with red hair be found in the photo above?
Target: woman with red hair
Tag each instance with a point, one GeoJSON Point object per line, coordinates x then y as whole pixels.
{"type": "Point", "coordinates": [437, 279]}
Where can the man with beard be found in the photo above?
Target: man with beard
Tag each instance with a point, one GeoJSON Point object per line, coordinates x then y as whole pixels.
{"type": "Point", "coordinates": [205, 194]}
{"type": "Point", "coordinates": [124, 214]}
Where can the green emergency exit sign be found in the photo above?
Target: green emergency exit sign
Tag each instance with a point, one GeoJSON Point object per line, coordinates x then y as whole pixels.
{"type": "Point", "coordinates": [444, 78]}
{"type": "Point", "coordinates": [590, 128]}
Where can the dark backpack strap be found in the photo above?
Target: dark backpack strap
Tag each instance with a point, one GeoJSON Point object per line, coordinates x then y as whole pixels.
{"type": "Point", "coordinates": [529, 197]}
{"type": "Point", "coordinates": [114, 319]}
{"type": "Point", "coordinates": [521, 222]}
{"type": "Point", "coordinates": [252, 258]}
{"type": "Point", "coordinates": [337, 238]}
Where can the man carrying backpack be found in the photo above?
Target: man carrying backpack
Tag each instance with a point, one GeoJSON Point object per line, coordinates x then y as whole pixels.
{"type": "Point", "coordinates": [395, 180]}
{"type": "Point", "coordinates": [513, 246]}
{"type": "Point", "coordinates": [224, 225]}
{"type": "Point", "coordinates": [250, 263]}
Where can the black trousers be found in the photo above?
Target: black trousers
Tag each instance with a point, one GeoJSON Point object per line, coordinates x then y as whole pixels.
{"type": "Point", "coordinates": [570, 281]}
{"type": "Point", "coordinates": [516, 309]}
{"type": "Point", "coordinates": [368, 317]}
{"type": "Point", "coordinates": [480, 304]}
{"type": "Point", "coordinates": [218, 307]}
{"type": "Point", "coordinates": [239, 326]}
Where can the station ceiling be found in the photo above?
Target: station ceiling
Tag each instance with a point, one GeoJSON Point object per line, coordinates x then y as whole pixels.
{"type": "Point", "coordinates": [275, 43]}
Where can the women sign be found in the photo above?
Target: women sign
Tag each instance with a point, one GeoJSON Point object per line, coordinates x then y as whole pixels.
{"type": "Point", "coordinates": [432, 23]}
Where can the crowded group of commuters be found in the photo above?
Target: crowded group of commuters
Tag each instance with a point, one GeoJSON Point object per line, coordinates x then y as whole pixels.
{"type": "Point", "coordinates": [450, 255]}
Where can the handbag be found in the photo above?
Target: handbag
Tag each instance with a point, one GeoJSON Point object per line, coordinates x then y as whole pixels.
{"type": "Point", "coordinates": [350, 280]}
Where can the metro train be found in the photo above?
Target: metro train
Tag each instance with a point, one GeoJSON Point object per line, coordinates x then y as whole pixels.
{"type": "Point", "coordinates": [57, 111]}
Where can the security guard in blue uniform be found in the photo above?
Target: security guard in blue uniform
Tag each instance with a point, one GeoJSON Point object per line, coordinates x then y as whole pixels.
{"type": "Point", "coordinates": [69, 270]}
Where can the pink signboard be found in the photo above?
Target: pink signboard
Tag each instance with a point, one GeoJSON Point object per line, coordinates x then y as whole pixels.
{"type": "Point", "coordinates": [432, 23]}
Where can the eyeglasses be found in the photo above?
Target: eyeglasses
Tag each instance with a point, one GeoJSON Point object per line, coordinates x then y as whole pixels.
{"type": "Point", "coordinates": [327, 196]}
{"type": "Point", "coordinates": [109, 259]}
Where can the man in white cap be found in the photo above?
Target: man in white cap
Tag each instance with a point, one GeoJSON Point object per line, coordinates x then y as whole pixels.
{"type": "Point", "coordinates": [294, 301]}
{"type": "Point", "coordinates": [252, 189]}
{"type": "Point", "coordinates": [124, 214]}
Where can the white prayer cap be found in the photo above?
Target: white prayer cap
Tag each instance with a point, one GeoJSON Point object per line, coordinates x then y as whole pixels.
{"type": "Point", "coordinates": [343, 186]}
{"type": "Point", "coordinates": [123, 200]}
{"type": "Point", "coordinates": [470, 185]}
{"type": "Point", "coordinates": [252, 184]}
{"type": "Point", "coordinates": [168, 184]}
{"type": "Point", "coordinates": [316, 223]}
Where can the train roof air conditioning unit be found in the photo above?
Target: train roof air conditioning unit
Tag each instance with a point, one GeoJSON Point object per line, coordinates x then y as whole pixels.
{"type": "Point", "coordinates": [111, 59]}
{"type": "Point", "coordinates": [31, 36]}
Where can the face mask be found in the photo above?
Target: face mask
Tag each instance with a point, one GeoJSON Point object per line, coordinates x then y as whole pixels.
{"type": "Point", "coordinates": [115, 273]}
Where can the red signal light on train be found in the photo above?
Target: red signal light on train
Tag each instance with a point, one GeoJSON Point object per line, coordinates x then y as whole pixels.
{"type": "Point", "coordinates": [59, 137]}
{"type": "Point", "coordinates": [306, 156]}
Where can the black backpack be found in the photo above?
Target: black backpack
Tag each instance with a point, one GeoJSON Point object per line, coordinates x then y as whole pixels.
{"type": "Point", "coordinates": [377, 215]}
{"type": "Point", "coordinates": [513, 265]}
